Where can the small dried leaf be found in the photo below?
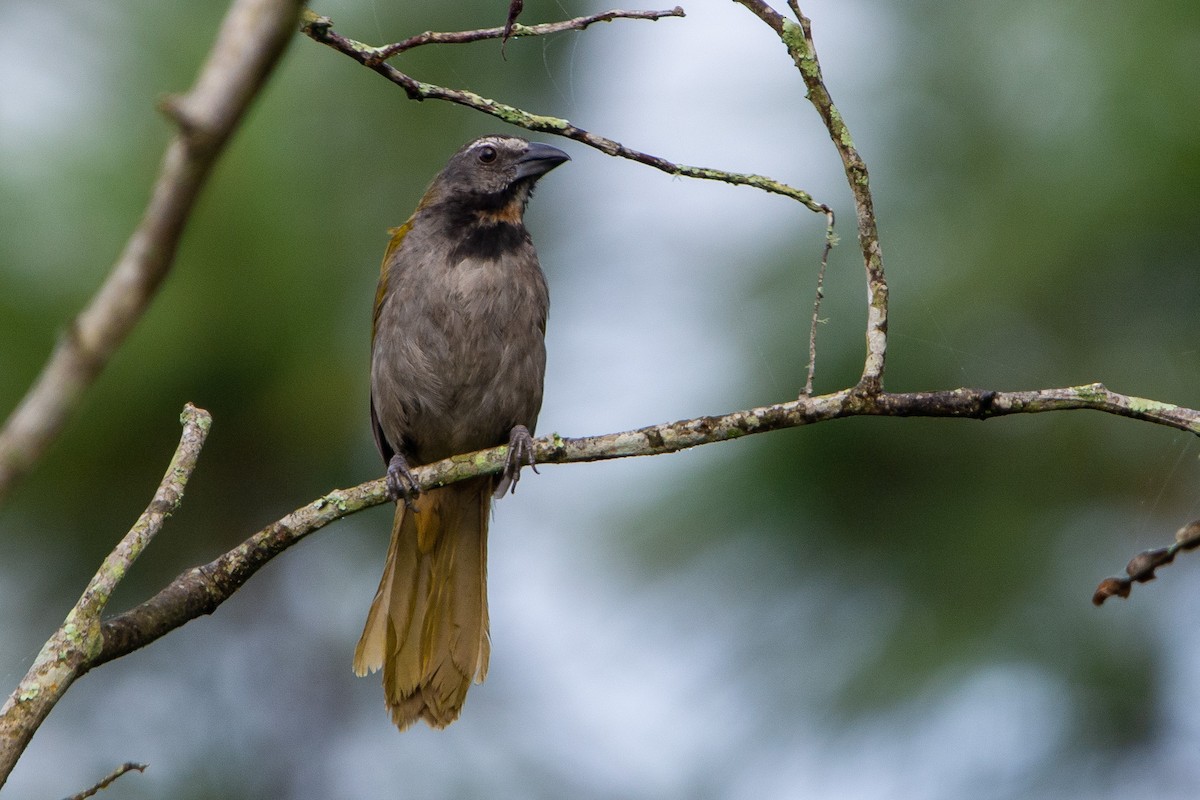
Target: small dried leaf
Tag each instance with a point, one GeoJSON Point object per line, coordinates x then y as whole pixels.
{"type": "Point", "coordinates": [515, 7]}
{"type": "Point", "coordinates": [1188, 537]}
{"type": "Point", "coordinates": [1141, 567]}
{"type": "Point", "coordinates": [1110, 587]}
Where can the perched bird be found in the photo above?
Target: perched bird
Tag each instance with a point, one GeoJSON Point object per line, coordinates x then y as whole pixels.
{"type": "Point", "coordinates": [457, 361]}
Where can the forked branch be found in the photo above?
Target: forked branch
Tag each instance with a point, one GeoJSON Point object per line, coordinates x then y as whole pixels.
{"type": "Point", "coordinates": [797, 37]}
{"type": "Point", "coordinates": [201, 589]}
{"type": "Point", "coordinates": [380, 54]}
{"type": "Point", "coordinates": [84, 641]}
{"type": "Point", "coordinates": [320, 29]}
{"type": "Point", "coordinates": [252, 37]}
{"type": "Point", "coordinates": [74, 647]}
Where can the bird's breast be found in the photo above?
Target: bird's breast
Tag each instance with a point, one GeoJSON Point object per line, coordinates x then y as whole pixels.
{"type": "Point", "coordinates": [459, 356]}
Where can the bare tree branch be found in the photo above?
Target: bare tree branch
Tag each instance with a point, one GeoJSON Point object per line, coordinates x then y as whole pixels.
{"type": "Point", "coordinates": [830, 243]}
{"type": "Point", "coordinates": [107, 780]}
{"type": "Point", "coordinates": [515, 7]}
{"type": "Point", "coordinates": [201, 589]}
{"type": "Point", "coordinates": [252, 37]}
{"type": "Point", "coordinates": [70, 652]}
{"type": "Point", "coordinates": [376, 55]}
{"type": "Point", "coordinates": [799, 42]}
{"type": "Point", "coordinates": [320, 29]}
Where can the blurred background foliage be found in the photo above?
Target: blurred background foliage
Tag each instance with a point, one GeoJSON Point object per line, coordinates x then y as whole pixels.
{"type": "Point", "coordinates": [870, 608]}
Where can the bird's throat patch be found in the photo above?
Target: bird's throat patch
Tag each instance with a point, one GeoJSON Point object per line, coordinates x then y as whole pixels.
{"type": "Point", "coordinates": [489, 241]}
{"type": "Point", "coordinates": [509, 213]}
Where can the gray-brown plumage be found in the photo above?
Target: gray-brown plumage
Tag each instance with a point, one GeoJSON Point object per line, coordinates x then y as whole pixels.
{"type": "Point", "coordinates": [457, 359]}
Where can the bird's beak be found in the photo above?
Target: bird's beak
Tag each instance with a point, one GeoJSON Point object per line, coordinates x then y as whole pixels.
{"type": "Point", "coordinates": [539, 159]}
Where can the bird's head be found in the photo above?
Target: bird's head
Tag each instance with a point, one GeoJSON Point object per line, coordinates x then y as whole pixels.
{"type": "Point", "coordinates": [494, 175]}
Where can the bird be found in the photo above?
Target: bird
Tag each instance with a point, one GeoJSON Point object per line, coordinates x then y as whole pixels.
{"type": "Point", "coordinates": [457, 364]}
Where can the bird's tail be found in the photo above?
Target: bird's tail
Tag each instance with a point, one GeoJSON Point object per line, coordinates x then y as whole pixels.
{"type": "Point", "coordinates": [428, 624]}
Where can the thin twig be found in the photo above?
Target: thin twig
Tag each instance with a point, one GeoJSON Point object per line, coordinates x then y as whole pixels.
{"type": "Point", "coordinates": [1141, 567]}
{"type": "Point", "coordinates": [252, 37]}
{"type": "Point", "coordinates": [797, 37]}
{"type": "Point", "coordinates": [106, 781]}
{"type": "Point", "coordinates": [830, 242]}
{"type": "Point", "coordinates": [320, 29]}
{"type": "Point", "coordinates": [70, 651]}
{"type": "Point", "coordinates": [376, 55]}
{"type": "Point", "coordinates": [515, 7]}
{"type": "Point", "coordinates": [202, 589]}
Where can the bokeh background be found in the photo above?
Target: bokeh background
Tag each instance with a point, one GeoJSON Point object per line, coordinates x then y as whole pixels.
{"type": "Point", "coordinates": [872, 608]}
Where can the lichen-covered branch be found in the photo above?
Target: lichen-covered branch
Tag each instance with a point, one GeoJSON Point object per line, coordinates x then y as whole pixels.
{"type": "Point", "coordinates": [252, 37]}
{"type": "Point", "coordinates": [70, 652]}
{"type": "Point", "coordinates": [249, 44]}
{"type": "Point", "coordinates": [201, 589]}
{"type": "Point", "coordinates": [797, 37]}
{"type": "Point", "coordinates": [830, 243]}
{"type": "Point", "coordinates": [378, 54]}
{"type": "Point", "coordinates": [84, 643]}
{"type": "Point", "coordinates": [107, 780]}
{"type": "Point", "coordinates": [320, 29]}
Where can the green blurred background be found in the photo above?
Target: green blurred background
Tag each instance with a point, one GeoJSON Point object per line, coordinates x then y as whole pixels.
{"type": "Point", "coordinates": [871, 608]}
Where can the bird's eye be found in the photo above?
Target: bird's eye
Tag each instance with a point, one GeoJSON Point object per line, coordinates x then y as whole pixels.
{"type": "Point", "coordinates": [487, 154]}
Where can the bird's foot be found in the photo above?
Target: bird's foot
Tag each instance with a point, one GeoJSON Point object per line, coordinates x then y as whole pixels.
{"type": "Point", "coordinates": [520, 454]}
{"type": "Point", "coordinates": [401, 483]}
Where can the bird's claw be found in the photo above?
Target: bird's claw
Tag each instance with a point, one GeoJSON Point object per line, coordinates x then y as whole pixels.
{"type": "Point", "coordinates": [401, 483]}
{"type": "Point", "coordinates": [520, 454]}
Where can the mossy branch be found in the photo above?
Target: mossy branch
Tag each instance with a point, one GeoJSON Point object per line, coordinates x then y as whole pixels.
{"type": "Point", "coordinates": [83, 642]}
{"type": "Point", "coordinates": [202, 589]}
{"type": "Point", "coordinates": [75, 646]}
{"type": "Point", "coordinates": [320, 29]}
{"type": "Point", "coordinates": [797, 38]}
{"type": "Point", "coordinates": [380, 54]}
